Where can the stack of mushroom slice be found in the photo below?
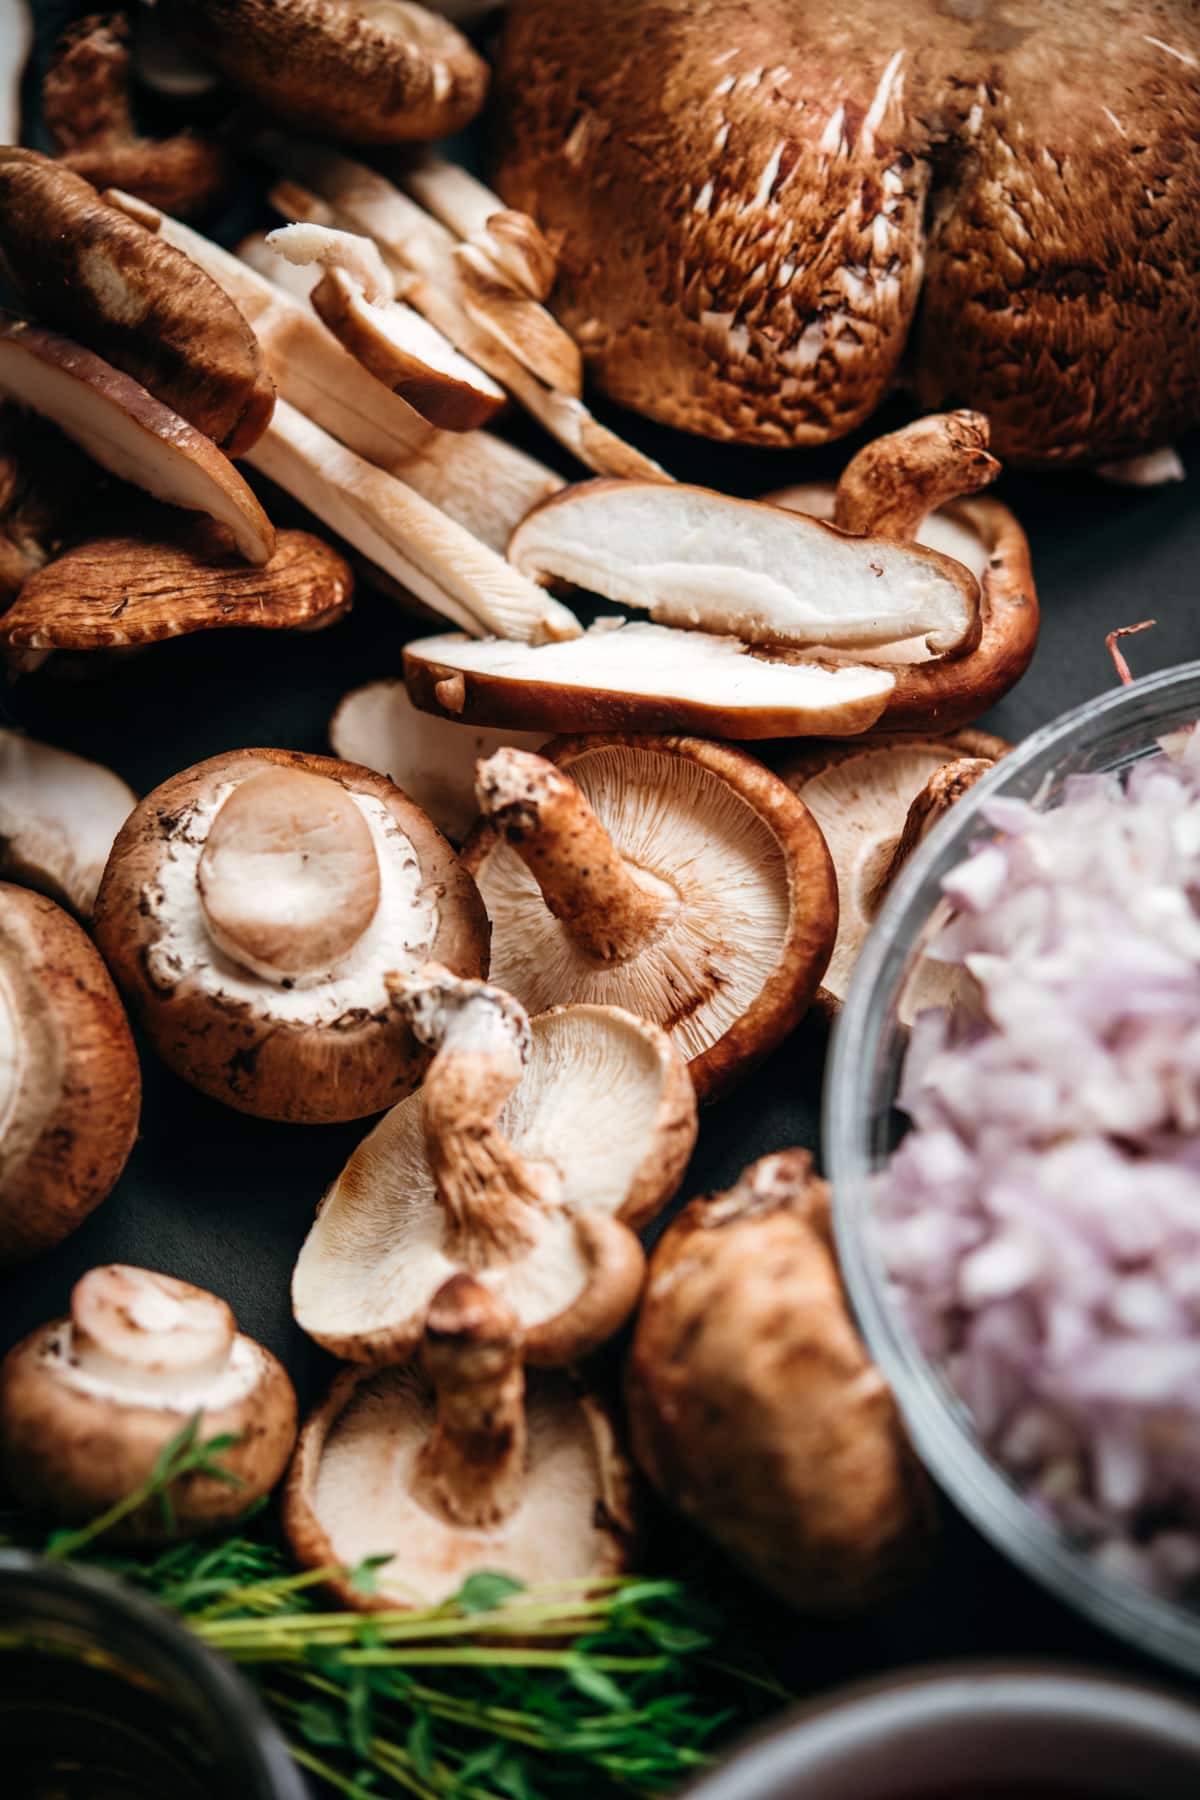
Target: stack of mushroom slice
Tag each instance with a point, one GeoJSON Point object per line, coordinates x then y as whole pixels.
{"type": "Point", "coordinates": [70, 1086]}
{"type": "Point", "coordinates": [89, 1403]}
{"type": "Point", "coordinates": [467, 1465]}
{"type": "Point", "coordinates": [874, 803]}
{"type": "Point", "coordinates": [530, 1157]}
{"type": "Point", "coordinates": [253, 909]}
{"type": "Point", "coordinates": [59, 815]}
{"type": "Point", "coordinates": [672, 876]}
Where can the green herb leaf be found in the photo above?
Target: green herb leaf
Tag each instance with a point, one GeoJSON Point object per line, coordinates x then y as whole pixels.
{"type": "Point", "coordinates": [365, 1575]}
{"type": "Point", "coordinates": [596, 1684]}
{"type": "Point", "coordinates": [484, 1592]}
{"type": "Point", "coordinates": [319, 1724]}
{"type": "Point", "coordinates": [419, 1744]}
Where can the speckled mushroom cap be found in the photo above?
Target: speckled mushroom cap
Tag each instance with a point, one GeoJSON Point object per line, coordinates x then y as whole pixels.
{"type": "Point", "coordinates": [311, 1040]}
{"type": "Point", "coordinates": [753, 196]}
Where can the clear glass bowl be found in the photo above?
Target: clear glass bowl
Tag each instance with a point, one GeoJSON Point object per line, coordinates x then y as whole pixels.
{"type": "Point", "coordinates": [861, 1128]}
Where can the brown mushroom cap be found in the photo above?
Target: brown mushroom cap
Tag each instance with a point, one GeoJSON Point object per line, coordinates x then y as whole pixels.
{"type": "Point", "coordinates": [89, 1402]}
{"type": "Point", "coordinates": [364, 73]}
{"type": "Point", "coordinates": [744, 898]}
{"type": "Point", "coordinates": [459, 1469]}
{"type": "Point", "coordinates": [753, 1407]}
{"type": "Point", "coordinates": [70, 1086]}
{"type": "Point", "coordinates": [746, 238]}
{"type": "Point", "coordinates": [318, 1048]}
{"type": "Point", "coordinates": [59, 815]}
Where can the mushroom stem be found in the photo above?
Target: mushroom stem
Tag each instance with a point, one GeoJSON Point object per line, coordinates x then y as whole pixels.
{"type": "Point", "coordinates": [131, 1325]}
{"type": "Point", "coordinates": [895, 482]}
{"type": "Point", "coordinates": [472, 1470]}
{"type": "Point", "coordinates": [944, 788]}
{"type": "Point", "coordinates": [585, 881]}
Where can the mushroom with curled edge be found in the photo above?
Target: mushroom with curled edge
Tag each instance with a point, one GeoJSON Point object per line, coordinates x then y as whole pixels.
{"type": "Point", "coordinates": [70, 1086]}
{"type": "Point", "coordinates": [874, 802]}
{"type": "Point", "coordinates": [754, 1409]}
{"type": "Point", "coordinates": [89, 1403]}
{"type": "Point", "coordinates": [678, 878]}
{"type": "Point", "coordinates": [529, 1159]}
{"type": "Point", "coordinates": [59, 815]}
{"type": "Point", "coordinates": [432, 759]}
{"type": "Point", "coordinates": [465, 1465]}
{"type": "Point", "coordinates": [253, 909]}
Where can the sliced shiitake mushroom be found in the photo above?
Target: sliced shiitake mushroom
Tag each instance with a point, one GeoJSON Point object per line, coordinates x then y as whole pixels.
{"type": "Point", "coordinates": [59, 815]}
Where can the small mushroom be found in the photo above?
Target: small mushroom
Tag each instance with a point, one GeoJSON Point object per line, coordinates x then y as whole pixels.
{"type": "Point", "coordinates": [89, 1403]}
{"type": "Point", "coordinates": [529, 1159]}
{"type": "Point", "coordinates": [672, 876]}
{"type": "Point", "coordinates": [359, 71]}
{"type": "Point", "coordinates": [252, 910]}
{"type": "Point", "coordinates": [432, 759]}
{"type": "Point", "coordinates": [874, 802]}
{"type": "Point", "coordinates": [87, 109]}
{"type": "Point", "coordinates": [464, 1466]}
{"type": "Point", "coordinates": [128, 432]}
{"type": "Point", "coordinates": [754, 1409]}
{"type": "Point", "coordinates": [169, 578]}
{"type": "Point", "coordinates": [59, 815]}
{"type": "Point", "coordinates": [70, 1087]}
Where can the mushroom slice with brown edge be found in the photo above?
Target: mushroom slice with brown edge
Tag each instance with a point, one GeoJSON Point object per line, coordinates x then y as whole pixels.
{"type": "Point", "coordinates": [86, 268]}
{"type": "Point", "coordinates": [696, 558]}
{"type": "Point", "coordinates": [675, 877]}
{"type": "Point", "coordinates": [70, 1087]}
{"type": "Point", "coordinates": [874, 802]}
{"type": "Point", "coordinates": [128, 432]}
{"type": "Point", "coordinates": [168, 578]}
{"type": "Point", "coordinates": [432, 759]}
{"type": "Point", "coordinates": [754, 1409]}
{"type": "Point", "coordinates": [89, 1403]}
{"type": "Point", "coordinates": [252, 910]}
{"type": "Point", "coordinates": [529, 1158]}
{"type": "Point", "coordinates": [512, 241]}
{"type": "Point", "coordinates": [59, 815]}
{"type": "Point", "coordinates": [360, 71]}
{"type": "Point", "coordinates": [464, 1466]}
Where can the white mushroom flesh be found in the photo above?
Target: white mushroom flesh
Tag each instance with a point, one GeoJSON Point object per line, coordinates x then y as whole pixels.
{"type": "Point", "coordinates": [12, 1045]}
{"type": "Point", "coordinates": [685, 833]}
{"type": "Point", "coordinates": [402, 330]}
{"type": "Point", "coordinates": [940, 531]}
{"type": "Point", "coordinates": [303, 245]}
{"type": "Point", "coordinates": [400, 935]}
{"type": "Point", "coordinates": [59, 815]}
{"type": "Point", "coordinates": [179, 1390]}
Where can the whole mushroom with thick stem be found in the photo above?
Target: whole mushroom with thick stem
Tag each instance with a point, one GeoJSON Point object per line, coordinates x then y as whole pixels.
{"type": "Point", "coordinates": [672, 876]}
{"type": "Point", "coordinates": [467, 1466]}
{"type": "Point", "coordinates": [253, 909]}
{"type": "Point", "coordinates": [89, 1403]}
{"type": "Point", "coordinates": [530, 1157]}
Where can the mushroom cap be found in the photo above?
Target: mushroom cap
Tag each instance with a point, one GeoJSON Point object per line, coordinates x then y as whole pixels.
{"type": "Point", "coordinates": [70, 1085]}
{"type": "Point", "coordinates": [754, 196]}
{"type": "Point", "coordinates": [604, 1112]}
{"type": "Point", "coordinates": [737, 957]}
{"type": "Point", "coordinates": [59, 815]}
{"type": "Point", "coordinates": [76, 1436]}
{"type": "Point", "coordinates": [432, 759]}
{"type": "Point", "coordinates": [360, 71]}
{"type": "Point", "coordinates": [323, 1048]}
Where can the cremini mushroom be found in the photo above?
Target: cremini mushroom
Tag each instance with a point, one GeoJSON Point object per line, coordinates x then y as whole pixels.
{"type": "Point", "coordinates": [675, 877]}
{"type": "Point", "coordinates": [128, 432]}
{"type": "Point", "coordinates": [89, 1403]}
{"type": "Point", "coordinates": [87, 109]}
{"type": "Point", "coordinates": [359, 71]}
{"type": "Point", "coordinates": [87, 269]}
{"type": "Point", "coordinates": [70, 1087]}
{"type": "Point", "coordinates": [465, 1465]}
{"type": "Point", "coordinates": [529, 1158]}
{"type": "Point", "coordinates": [754, 1409]}
{"type": "Point", "coordinates": [170, 577]}
{"type": "Point", "coordinates": [252, 910]}
{"type": "Point", "coordinates": [874, 802]}
{"type": "Point", "coordinates": [59, 815]}
{"type": "Point", "coordinates": [432, 759]}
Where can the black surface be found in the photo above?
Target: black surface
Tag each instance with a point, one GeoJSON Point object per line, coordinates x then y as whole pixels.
{"type": "Point", "coordinates": [225, 1200]}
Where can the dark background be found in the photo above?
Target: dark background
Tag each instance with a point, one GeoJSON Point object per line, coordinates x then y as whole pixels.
{"type": "Point", "coordinates": [225, 1201]}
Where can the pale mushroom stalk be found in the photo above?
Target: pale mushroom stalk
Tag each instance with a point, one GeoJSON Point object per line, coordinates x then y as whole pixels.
{"type": "Point", "coordinates": [889, 489]}
{"type": "Point", "coordinates": [472, 1469]}
{"type": "Point", "coordinates": [585, 881]}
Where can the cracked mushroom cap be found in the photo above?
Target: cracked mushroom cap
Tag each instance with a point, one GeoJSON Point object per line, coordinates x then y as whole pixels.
{"type": "Point", "coordinates": [1028, 181]}
{"type": "Point", "coordinates": [459, 1467]}
{"type": "Point", "coordinates": [529, 1158]}
{"type": "Point", "coordinates": [674, 877]}
{"type": "Point", "coordinates": [88, 1403]}
{"type": "Point", "coordinates": [70, 1085]}
{"type": "Point", "coordinates": [59, 815]}
{"type": "Point", "coordinates": [252, 910]}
